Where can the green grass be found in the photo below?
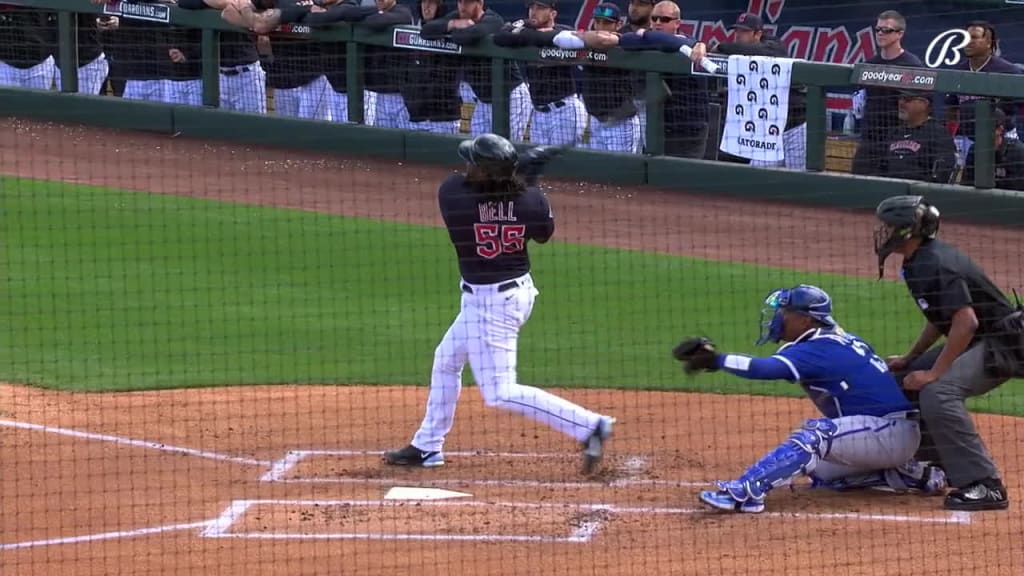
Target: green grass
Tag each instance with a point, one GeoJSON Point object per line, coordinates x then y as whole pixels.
{"type": "Point", "coordinates": [114, 290]}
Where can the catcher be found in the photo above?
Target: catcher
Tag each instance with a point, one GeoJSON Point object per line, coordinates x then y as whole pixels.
{"type": "Point", "coordinates": [869, 432]}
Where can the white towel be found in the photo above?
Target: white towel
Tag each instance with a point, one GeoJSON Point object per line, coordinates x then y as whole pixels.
{"type": "Point", "coordinates": [758, 107]}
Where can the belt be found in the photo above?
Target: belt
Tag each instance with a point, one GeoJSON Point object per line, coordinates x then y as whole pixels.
{"type": "Point", "coordinates": [912, 415]}
{"type": "Point", "coordinates": [234, 71]}
{"type": "Point", "coordinates": [503, 287]}
{"type": "Point", "coordinates": [550, 107]}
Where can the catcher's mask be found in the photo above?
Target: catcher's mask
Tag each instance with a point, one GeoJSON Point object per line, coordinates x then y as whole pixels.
{"type": "Point", "coordinates": [803, 299]}
{"type": "Point", "coordinates": [494, 155]}
{"type": "Point", "coordinates": [902, 218]}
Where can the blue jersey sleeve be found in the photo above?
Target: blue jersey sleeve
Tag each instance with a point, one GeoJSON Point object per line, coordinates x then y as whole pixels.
{"type": "Point", "coordinates": [807, 361]}
{"type": "Point", "coordinates": [755, 368]}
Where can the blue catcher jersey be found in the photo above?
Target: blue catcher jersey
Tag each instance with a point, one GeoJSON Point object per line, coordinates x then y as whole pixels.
{"type": "Point", "coordinates": [842, 375]}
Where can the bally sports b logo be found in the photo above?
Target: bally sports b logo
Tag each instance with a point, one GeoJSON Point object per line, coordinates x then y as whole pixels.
{"type": "Point", "coordinates": [763, 83]}
{"type": "Point", "coordinates": [751, 96]}
{"type": "Point", "coordinates": [741, 80]}
{"type": "Point", "coordinates": [754, 67]}
{"type": "Point", "coordinates": [773, 99]}
{"type": "Point", "coordinates": [749, 126]}
{"type": "Point", "coordinates": [739, 110]}
{"type": "Point", "coordinates": [762, 114]}
{"type": "Point", "coordinates": [773, 130]}
{"type": "Point", "coordinates": [776, 69]}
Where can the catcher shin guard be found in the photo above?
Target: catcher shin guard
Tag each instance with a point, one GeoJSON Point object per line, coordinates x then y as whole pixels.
{"type": "Point", "coordinates": [798, 455]}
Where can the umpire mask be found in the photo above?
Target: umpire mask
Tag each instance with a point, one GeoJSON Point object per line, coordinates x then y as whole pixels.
{"type": "Point", "coordinates": [902, 218]}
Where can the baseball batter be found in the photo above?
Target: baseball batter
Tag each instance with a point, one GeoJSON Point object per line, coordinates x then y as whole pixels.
{"type": "Point", "coordinates": [869, 432]}
{"type": "Point", "coordinates": [492, 212]}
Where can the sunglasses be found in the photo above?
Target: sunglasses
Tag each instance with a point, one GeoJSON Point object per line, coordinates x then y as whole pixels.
{"type": "Point", "coordinates": [663, 19]}
{"type": "Point", "coordinates": [887, 30]}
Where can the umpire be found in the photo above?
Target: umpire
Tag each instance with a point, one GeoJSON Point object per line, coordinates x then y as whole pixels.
{"type": "Point", "coordinates": [984, 347]}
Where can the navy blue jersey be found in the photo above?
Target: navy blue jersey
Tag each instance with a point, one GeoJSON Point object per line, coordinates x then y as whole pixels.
{"type": "Point", "coordinates": [965, 102]}
{"type": "Point", "coordinates": [842, 375]}
{"type": "Point", "coordinates": [490, 232]}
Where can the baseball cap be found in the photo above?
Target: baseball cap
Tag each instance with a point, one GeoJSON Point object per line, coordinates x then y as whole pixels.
{"type": "Point", "coordinates": [607, 11]}
{"type": "Point", "coordinates": [912, 94]}
{"type": "Point", "coordinates": [749, 21]}
{"type": "Point", "coordinates": [546, 3]}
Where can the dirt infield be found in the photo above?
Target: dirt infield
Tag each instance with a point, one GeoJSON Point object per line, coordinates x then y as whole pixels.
{"type": "Point", "coordinates": [286, 480]}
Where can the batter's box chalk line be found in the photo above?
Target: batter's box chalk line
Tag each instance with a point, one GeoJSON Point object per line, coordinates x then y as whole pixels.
{"type": "Point", "coordinates": [630, 470]}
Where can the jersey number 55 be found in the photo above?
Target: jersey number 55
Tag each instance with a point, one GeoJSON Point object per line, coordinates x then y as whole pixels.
{"type": "Point", "coordinates": [492, 240]}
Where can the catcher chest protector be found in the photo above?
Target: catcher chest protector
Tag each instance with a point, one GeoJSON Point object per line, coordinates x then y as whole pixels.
{"type": "Point", "coordinates": [902, 218]}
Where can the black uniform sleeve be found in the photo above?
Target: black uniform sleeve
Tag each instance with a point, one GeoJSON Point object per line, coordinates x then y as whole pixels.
{"type": "Point", "coordinates": [292, 12]}
{"type": "Point", "coordinates": [345, 12]}
{"type": "Point", "coordinates": [544, 229]}
{"type": "Point", "coordinates": [1013, 164]}
{"type": "Point", "coordinates": [757, 49]}
{"type": "Point", "coordinates": [523, 37]}
{"type": "Point", "coordinates": [192, 4]}
{"type": "Point", "coordinates": [951, 294]}
{"type": "Point", "coordinates": [941, 155]}
{"type": "Point", "coordinates": [487, 26]}
{"type": "Point", "coordinates": [397, 16]}
{"type": "Point", "coordinates": [437, 28]}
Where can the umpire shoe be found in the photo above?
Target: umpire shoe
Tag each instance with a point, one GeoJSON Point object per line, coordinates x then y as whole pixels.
{"type": "Point", "coordinates": [413, 456]}
{"type": "Point", "coordinates": [989, 494]}
{"type": "Point", "coordinates": [593, 447]}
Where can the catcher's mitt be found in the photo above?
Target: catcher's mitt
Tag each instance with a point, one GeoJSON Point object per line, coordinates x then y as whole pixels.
{"type": "Point", "coordinates": [697, 354]}
{"type": "Point", "coordinates": [533, 162]}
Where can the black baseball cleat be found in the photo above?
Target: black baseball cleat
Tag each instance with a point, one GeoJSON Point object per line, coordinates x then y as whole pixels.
{"type": "Point", "coordinates": [987, 494]}
{"type": "Point", "coordinates": [593, 447]}
{"type": "Point", "coordinates": [413, 456]}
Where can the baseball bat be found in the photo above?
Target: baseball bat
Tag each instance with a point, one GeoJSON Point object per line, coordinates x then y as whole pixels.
{"type": "Point", "coordinates": [706, 64]}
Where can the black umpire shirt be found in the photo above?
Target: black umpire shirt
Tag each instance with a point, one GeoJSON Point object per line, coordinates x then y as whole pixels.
{"type": "Point", "coordinates": [882, 105]}
{"type": "Point", "coordinates": [942, 280]}
{"type": "Point", "coordinates": [925, 153]}
{"type": "Point", "coordinates": [490, 233]}
{"type": "Point", "coordinates": [477, 69]}
{"type": "Point", "coordinates": [549, 82]}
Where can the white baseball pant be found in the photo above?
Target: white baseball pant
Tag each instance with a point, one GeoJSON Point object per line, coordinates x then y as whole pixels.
{"type": "Point", "coordinates": [39, 77]}
{"type": "Point", "coordinates": [619, 136]}
{"type": "Point", "coordinates": [865, 444]}
{"type": "Point", "coordinates": [185, 92]}
{"type": "Point", "coordinates": [91, 76]}
{"type": "Point", "coordinates": [244, 88]}
{"type": "Point", "coordinates": [519, 114]}
{"type": "Point", "coordinates": [148, 90]}
{"type": "Point", "coordinates": [435, 126]}
{"type": "Point", "coordinates": [641, 113]}
{"type": "Point", "coordinates": [485, 334]}
{"type": "Point", "coordinates": [390, 110]}
{"type": "Point", "coordinates": [312, 101]}
{"type": "Point", "coordinates": [563, 124]}
{"type": "Point", "coordinates": [339, 107]}
{"type": "Point", "coordinates": [794, 148]}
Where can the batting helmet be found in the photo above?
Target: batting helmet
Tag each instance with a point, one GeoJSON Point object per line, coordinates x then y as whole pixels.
{"type": "Point", "coordinates": [803, 299]}
{"type": "Point", "coordinates": [494, 154]}
{"type": "Point", "coordinates": [902, 218]}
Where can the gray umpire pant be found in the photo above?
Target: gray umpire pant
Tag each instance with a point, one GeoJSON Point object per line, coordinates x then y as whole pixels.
{"type": "Point", "coordinates": [948, 435]}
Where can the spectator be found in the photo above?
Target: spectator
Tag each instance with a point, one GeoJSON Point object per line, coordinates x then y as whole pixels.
{"type": "Point", "coordinates": [982, 53]}
{"type": "Point", "coordinates": [243, 82]}
{"type": "Point", "coordinates": [93, 67]}
{"type": "Point", "coordinates": [470, 23]}
{"type": "Point", "coordinates": [431, 90]}
{"type": "Point", "coordinates": [608, 94]}
{"type": "Point", "coordinates": [686, 105]}
{"type": "Point", "coordinates": [1009, 158]}
{"type": "Point", "coordinates": [26, 59]}
{"type": "Point", "coordinates": [559, 117]}
{"type": "Point", "coordinates": [183, 84]}
{"type": "Point", "coordinates": [882, 105]}
{"type": "Point", "coordinates": [751, 40]}
{"type": "Point", "coordinates": [920, 148]}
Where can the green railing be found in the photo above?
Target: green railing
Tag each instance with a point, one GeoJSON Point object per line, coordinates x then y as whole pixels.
{"type": "Point", "coordinates": [815, 76]}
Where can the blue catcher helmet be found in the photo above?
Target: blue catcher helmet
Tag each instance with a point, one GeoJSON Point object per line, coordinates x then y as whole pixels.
{"type": "Point", "coordinates": [802, 299]}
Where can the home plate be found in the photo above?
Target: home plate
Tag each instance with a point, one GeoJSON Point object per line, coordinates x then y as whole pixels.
{"type": "Point", "coordinates": [410, 493]}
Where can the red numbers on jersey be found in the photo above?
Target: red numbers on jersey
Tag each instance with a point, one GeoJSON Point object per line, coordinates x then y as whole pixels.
{"type": "Point", "coordinates": [493, 240]}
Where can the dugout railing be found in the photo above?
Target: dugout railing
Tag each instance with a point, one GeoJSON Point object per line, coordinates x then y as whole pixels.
{"type": "Point", "coordinates": [814, 186]}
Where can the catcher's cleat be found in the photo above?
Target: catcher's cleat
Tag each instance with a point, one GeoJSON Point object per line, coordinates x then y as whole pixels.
{"type": "Point", "coordinates": [723, 500]}
{"type": "Point", "coordinates": [593, 447]}
{"type": "Point", "coordinates": [413, 456]}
